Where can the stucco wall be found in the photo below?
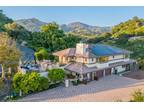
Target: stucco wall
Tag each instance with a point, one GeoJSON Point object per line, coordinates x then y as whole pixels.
{"type": "Point", "coordinates": [62, 60]}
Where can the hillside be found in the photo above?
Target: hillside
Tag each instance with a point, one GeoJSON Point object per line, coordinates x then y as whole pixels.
{"type": "Point", "coordinates": [131, 27]}
{"type": "Point", "coordinates": [75, 27]}
{"type": "Point", "coordinates": [84, 29]}
{"type": "Point", "coordinates": [32, 24]}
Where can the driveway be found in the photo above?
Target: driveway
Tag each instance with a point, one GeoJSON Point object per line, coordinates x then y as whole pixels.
{"type": "Point", "coordinates": [109, 88]}
{"type": "Point", "coordinates": [139, 75]}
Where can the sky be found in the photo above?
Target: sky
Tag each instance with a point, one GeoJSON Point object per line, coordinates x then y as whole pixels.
{"type": "Point", "coordinates": [96, 16]}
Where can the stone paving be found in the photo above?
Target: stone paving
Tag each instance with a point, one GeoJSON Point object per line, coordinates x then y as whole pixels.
{"type": "Point", "coordinates": [109, 88]}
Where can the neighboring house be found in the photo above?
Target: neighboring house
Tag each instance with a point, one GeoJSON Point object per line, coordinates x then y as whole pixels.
{"type": "Point", "coordinates": [91, 61]}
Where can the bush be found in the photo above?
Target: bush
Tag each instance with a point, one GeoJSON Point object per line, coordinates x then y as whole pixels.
{"type": "Point", "coordinates": [29, 83]}
{"type": "Point", "coordinates": [17, 82]}
{"type": "Point", "coordinates": [137, 96]}
{"type": "Point", "coordinates": [56, 75]}
{"type": "Point", "coordinates": [44, 83]}
{"type": "Point", "coordinates": [32, 81]}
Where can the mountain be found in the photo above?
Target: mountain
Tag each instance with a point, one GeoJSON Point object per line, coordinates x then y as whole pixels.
{"type": "Point", "coordinates": [81, 28]}
{"type": "Point", "coordinates": [75, 27]}
{"type": "Point", "coordinates": [32, 24]}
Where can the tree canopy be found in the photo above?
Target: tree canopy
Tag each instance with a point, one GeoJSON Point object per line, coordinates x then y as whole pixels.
{"type": "Point", "coordinates": [41, 54]}
{"type": "Point", "coordinates": [52, 38]}
{"type": "Point", "coordinates": [4, 20]}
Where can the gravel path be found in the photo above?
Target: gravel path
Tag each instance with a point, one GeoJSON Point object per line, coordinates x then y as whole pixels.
{"type": "Point", "coordinates": [110, 88]}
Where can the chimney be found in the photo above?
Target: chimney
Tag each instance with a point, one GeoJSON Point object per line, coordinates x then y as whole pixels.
{"type": "Point", "coordinates": [82, 48]}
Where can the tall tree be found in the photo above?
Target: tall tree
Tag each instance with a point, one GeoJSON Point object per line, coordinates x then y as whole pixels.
{"type": "Point", "coordinates": [9, 54]}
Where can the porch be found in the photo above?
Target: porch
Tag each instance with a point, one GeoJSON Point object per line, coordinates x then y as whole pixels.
{"type": "Point", "coordinates": [83, 73]}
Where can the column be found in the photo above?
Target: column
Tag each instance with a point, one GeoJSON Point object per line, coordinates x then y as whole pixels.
{"type": "Point", "coordinates": [81, 77]}
{"type": "Point", "coordinates": [104, 73]}
{"type": "Point", "coordinates": [92, 75]}
{"type": "Point", "coordinates": [88, 76]}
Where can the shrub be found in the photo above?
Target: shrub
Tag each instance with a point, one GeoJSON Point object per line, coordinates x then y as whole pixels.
{"type": "Point", "coordinates": [44, 83]}
{"type": "Point", "coordinates": [24, 84]}
{"type": "Point", "coordinates": [29, 83]}
{"type": "Point", "coordinates": [56, 75]}
{"type": "Point", "coordinates": [17, 82]}
{"type": "Point", "coordinates": [138, 96]}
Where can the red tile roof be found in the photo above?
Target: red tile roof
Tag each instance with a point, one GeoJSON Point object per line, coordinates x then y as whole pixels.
{"type": "Point", "coordinates": [66, 52]}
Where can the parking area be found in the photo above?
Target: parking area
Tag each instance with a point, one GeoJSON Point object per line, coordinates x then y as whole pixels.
{"type": "Point", "coordinates": [76, 93]}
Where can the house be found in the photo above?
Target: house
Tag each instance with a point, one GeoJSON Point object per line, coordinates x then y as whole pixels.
{"type": "Point", "coordinates": [91, 61]}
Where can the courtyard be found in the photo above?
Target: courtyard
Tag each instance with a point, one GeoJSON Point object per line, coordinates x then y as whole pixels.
{"type": "Point", "coordinates": [109, 88]}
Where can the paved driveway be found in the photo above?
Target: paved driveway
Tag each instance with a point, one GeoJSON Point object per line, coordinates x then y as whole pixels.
{"type": "Point", "coordinates": [87, 92]}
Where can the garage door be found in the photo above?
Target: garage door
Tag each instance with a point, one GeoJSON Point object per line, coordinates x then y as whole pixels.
{"type": "Point", "coordinates": [108, 71]}
{"type": "Point", "coordinates": [99, 73]}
